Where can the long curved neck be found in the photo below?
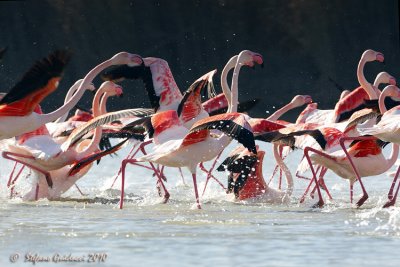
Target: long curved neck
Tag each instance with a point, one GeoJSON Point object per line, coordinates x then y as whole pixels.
{"type": "Point", "coordinates": [277, 114]}
{"type": "Point", "coordinates": [99, 103]}
{"type": "Point", "coordinates": [285, 169]}
{"type": "Point", "coordinates": [363, 82]}
{"type": "Point", "coordinates": [391, 160]}
{"type": "Point", "coordinates": [68, 96]}
{"type": "Point", "coordinates": [381, 102]}
{"type": "Point", "coordinates": [233, 104]}
{"type": "Point", "coordinates": [224, 75]}
{"type": "Point", "coordinates": [79, 93]}
{"type": "Point", "coordinates": [103, 106]}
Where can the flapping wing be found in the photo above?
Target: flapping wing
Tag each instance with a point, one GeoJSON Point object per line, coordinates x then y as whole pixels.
{"type": "Point", "coordinates": [232, 124]}
{"type": "Point", "coordinates": [190, 105]}
{"type": "Point", "coordinates": [39, 78]}
{"type": "Point", "coordinates": [77, 134]}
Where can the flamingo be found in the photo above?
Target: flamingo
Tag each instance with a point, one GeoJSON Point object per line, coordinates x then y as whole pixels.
{"type": "Point", "coordinates": [348, 104]}
{"type": "Point", "coordinates": [32, 121]}
{"type": "Point", "coordinates": [189, 107]}
{"type": "Point", "coordinates": [198, 145]}
{"type": "Point", "coordinates": [387, 129]}
{"type": "Point", "coordinates": [43, 154]}
{"type": "Point", "coordinates": [38, 120]}
{"type": "Point", "coordinates": [364, 157]}
{"type": "Point", "coordinates": [62, 181]}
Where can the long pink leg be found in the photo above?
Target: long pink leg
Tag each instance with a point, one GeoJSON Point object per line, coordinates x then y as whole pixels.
{"type": "Point", "coordinates": [196, 192]}
{"type": "Point", "coordinates": [307, 150]}
{"type": "Point", "coordinates": [393, 198]}
{"type": "Point", "coordinates": [209, 174]}
{"type": "Point", "coordinates": [308, 187]}
{"type": "Point", "coordinates": [134, 162]}
{"type": "Point", "coordinates": [12, 183]}
{"type": "Point", "coordinates": [321, 182]}
{"type": "Point", "coordinates": [79, 190]}
{"type": "Point", "coordinates": [131, 155]}
{"type": "Point", "coordinates": [273, 174]}
{"type": "Point", "coordinates": [341, 140]}
{"type": "Point", "coordinates": [10, 155]}
{"type": "Point", "coordinates": [183, 178]}
{"type": "Point", "coordinates": [12, 174]}
{"type": "Point", "coordinates": [390, 194]}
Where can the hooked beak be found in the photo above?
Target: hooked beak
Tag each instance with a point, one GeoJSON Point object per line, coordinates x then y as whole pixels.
{"type": "Point", "coordinates": [380, 58]}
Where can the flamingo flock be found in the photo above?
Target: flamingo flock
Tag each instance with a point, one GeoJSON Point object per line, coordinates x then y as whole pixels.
{"type": "Point", "coordinates": [180, 130]}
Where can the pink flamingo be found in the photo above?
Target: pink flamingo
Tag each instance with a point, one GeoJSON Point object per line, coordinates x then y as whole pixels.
{"type": "Point", "coordinates": [60, 156]}
{"type": "Point", "coordinates": [387, 129]}
{"type": "Point", "coordinates": [62, 181]}
{"type": "Point", "coordinates": [32, 121]}
{"type": "Point", "coordinates": [179, 152]}
{"type": "Point", "coordinates": [364, 158]}
{"type": "Point", "coordinates": [43, 154]}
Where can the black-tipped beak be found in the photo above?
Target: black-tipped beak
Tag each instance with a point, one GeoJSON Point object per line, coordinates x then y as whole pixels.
{"type": "Point", "coordinates": [121, 96]}
{"type": "Point", "coordinates": [384, 63]}
{"type": "Point", "coordinates": [98, 161]}
{"type": "Point", "coordinates": [262, 65]}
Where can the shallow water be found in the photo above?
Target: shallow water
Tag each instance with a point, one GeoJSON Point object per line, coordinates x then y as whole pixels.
{"type": "Point", "coordinates": [223, 233]}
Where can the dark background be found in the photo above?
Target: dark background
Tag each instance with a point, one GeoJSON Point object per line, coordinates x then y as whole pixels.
{"type": "Point", "coordinates": [303, 42]}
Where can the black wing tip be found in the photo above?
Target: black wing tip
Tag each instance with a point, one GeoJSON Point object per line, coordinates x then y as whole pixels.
{"type": "Point", "coordinates": [57, 60]}
{"type": "Point", "coordinates": [122, 72]}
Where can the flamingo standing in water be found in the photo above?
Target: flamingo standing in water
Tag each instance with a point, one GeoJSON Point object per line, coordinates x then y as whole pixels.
{"type": "Point", "coordinates": [61, 157]}
{"type": "Point", "coordinates": [43, 129]}
{"type": "Point", "coordinates": [387, 129]}
{"type": "Point", "coordinates": [364, 158]}
{"type": "Point", "coordinates": [164, 94]}
{"type": "Point", "coordinates": [43, 154]}
{"type": "Point", "coordinates": [62, 181]}
{"type": "Point", "coordinates": [347, 105]}
{"type": "Point", "coordinates": [198, 145]}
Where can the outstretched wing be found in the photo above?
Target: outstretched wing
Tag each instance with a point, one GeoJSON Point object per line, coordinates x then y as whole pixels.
{"type": "Point", "coordinates": [289, 139]}
{"type": "Point", "coordinates": [190, 105]}
{"type": "Point", "coordinates": [77, 134]}
{"type": "Point", "coordinates": [42, 78]}
{"type": "Point", "coordinates": [232, 124]}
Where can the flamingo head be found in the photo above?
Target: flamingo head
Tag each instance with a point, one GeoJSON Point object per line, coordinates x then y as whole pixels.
{"type": "Point", "coordinates": [384, 77]}
{"type": "Point", "coordinates": [392, 91]}
{"type": "Point", "coordinates": [371, 55]}
{"type": "Point", "coordinates": [111, 88]}
{"type": "Point", "coordinates": [250, 58]}
{"type": "Point", "coordinates": [125, 58]}
{"type": "Point", "coordinates": [300, 100]}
